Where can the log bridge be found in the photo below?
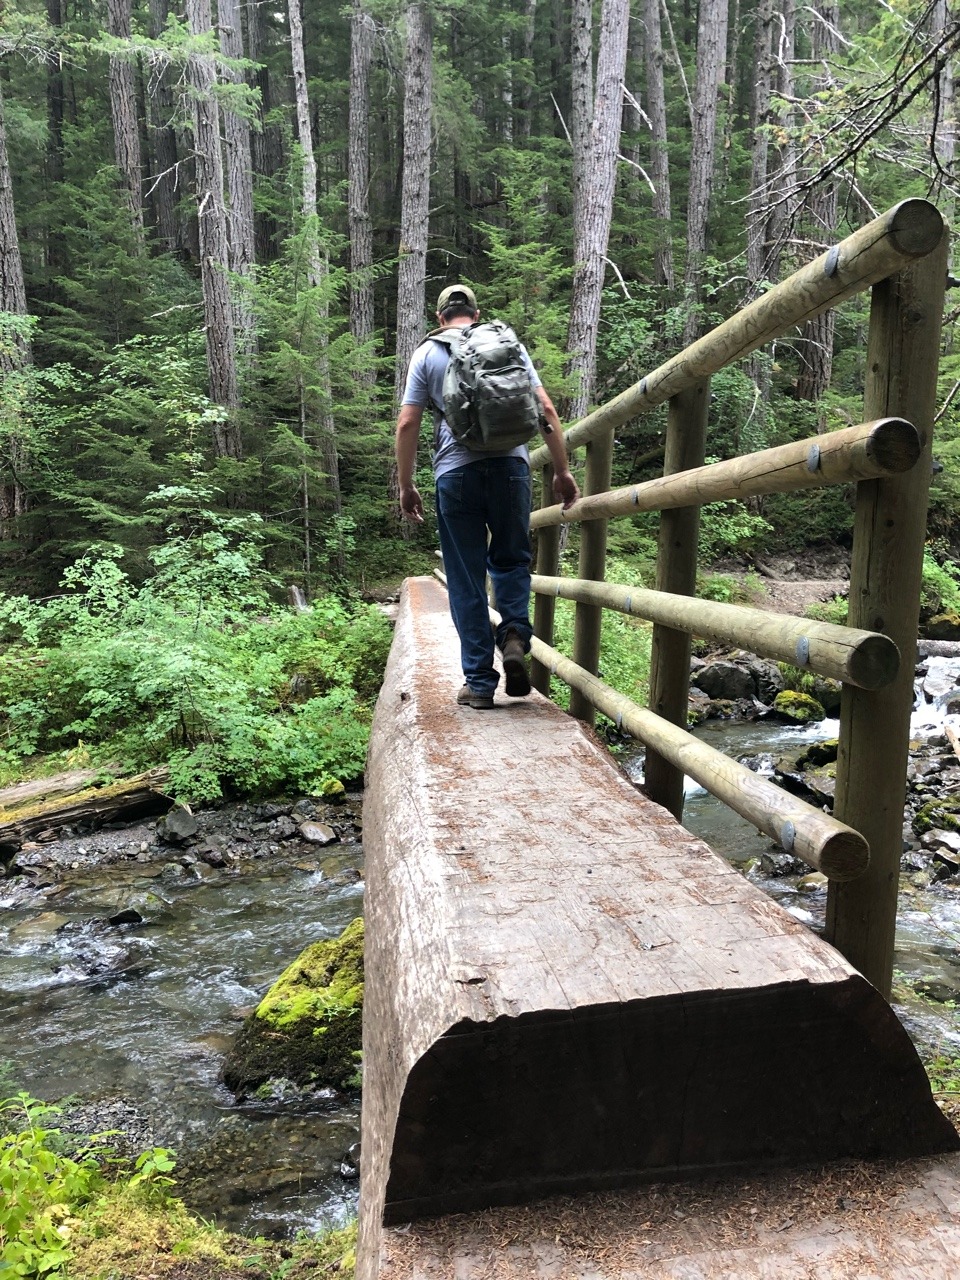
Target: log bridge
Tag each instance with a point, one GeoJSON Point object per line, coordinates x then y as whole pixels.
{"type": "Point", "coordinates": [566, 991]}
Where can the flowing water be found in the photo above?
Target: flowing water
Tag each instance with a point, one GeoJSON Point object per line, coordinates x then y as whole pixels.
{"type": "Point", "coordinates": [153, 1028]}
{"type": "Point", "coordinates": [145, 1012]}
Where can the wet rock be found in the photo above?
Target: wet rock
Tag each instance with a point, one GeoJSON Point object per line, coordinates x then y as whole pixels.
{"type": "Point", "coordinates": [285, 828]}
{"type": "Point", "coordinates": [128, 916]}
{"type": "Point", "coordinates": [178, 826]}
{"type": "Point", "coordinates": [774, 862]}
{"type": "Point", "coordinates": [307, 1027]}
{"type": "Point", "coordinates": [798, 708]}
{"type": "Point", "coordinates": [768, 679]}
{"type": "Point", "coordinates": [317, 833]}
{"type": "Point", "coordinates": [934, 989]}
{"type": "Point", "coordinates": [812, 883]}
{"type": "Point", "coordinates": [40, 928]}
{"type": "Point", "coordinates": [350, 1164]}
{"type": "Point", "coordinates": [726, 681]}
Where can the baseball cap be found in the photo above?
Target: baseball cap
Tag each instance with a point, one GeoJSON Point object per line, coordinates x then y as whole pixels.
{"type": "Point", "coordinates": [457, 293]}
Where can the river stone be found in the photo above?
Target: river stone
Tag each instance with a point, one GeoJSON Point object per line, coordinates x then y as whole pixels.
{"type": "Point", "coordinates": [769, 679]}
{"type": "Point", "coordinates": [726, 681]}
{"type": "Point", "coordinates": [317, 833]}
{"type": "Point", "coordinates": [307, 1027]}
{"type": "Point", "coordinates": [178, 826]}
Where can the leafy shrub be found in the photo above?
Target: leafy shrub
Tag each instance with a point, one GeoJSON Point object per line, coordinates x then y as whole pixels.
{"type": "Point", "coordinates": [835, 610]}
{"type": "Point", "coordinates": [195, 666]}
{"type": "Point", "coordinates": [940, 586]}
{"type": "Point", "coordinates": [40, 1190]}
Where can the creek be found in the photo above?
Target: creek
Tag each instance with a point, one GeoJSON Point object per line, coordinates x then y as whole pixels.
{"type": "Point", "coordinates": [143, 1011]}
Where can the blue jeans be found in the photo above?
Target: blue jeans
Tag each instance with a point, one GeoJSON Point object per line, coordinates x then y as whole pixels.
{"type": "Point", "coordinates": [493, 494]}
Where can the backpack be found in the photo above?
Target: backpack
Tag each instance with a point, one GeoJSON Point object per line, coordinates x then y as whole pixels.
{"type": "Point", "coordinates": [489, 401]}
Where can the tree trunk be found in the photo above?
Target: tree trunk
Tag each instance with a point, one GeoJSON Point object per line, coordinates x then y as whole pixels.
{"type": "Point", "coordinates": [760, 147]}
{"type": "Point", "coordinates": [415, 191]}
{"type": "Point", "coordinates": [55, 113]}
{"type": "Point", "coordinates": [15, 351]}
{"type": "Point", "coordinates": [783, 180]}
{"type": "Point", "coordinates": [600, 181]}
{"type": "Point", "coordinates": [214, 246]}
{"type": "Point", "coordinates": [525, 96]}
{"type": "Point", "coordinates": [659, 155]}
{"type": "Point", "coordinates": [711, 64]}
{"type": "Point", "coordinates": [581, 112]}
{"type": "Point", "coordinates": [123, 110]}
{"type": "Point", "coordinates": [239, 184]}
{"type": "Point", "coordinates": [945, 124]}
{"type": "Point", "coordinates": [163, 146]}
{"type": "Point", "coordinates": [314, 417]}
{"type": "Point", "coordinates": [264, 144]}
{"type": "Point", "coordinates": [358, 181]}
{"type": "Point", "coordinates": [816, 342]}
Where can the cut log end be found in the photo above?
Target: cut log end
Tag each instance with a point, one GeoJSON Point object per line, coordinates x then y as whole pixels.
{"type": "Point", "coordinates": [915, 227]}
{"type": "Point", "coordinates": [843, 855]}
{"type": "Point", "coordinates": [895, 445]}
{"type": "Point", "coordinates": [874, 662]}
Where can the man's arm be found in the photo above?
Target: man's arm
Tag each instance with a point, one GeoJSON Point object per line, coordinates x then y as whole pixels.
{"type": "Point", "coordinates": [564, 485]}
{"type": "Point", "coordinates": [408, 436]}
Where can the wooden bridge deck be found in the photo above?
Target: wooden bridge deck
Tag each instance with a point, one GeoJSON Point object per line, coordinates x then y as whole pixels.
{"type": "Point", "coordinates": [566, 992]}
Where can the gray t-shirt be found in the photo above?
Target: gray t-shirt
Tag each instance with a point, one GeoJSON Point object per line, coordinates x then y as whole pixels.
{"type": "Point", "coordinates": [425, 387]}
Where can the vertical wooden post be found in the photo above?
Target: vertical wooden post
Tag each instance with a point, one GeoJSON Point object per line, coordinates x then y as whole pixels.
{"type": "Point", "coordinates": [676, 572]}
{"type": "Point", "coordinates": [593, 560]}
{"type": "Point", "coordinates": [890, 524]}
{"type": "Point", "coordinates": [548, 562]}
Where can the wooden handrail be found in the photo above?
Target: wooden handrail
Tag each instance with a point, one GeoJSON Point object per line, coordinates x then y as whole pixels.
{"type": "Point", "coordinates": [821, 841]}
{"type": "Point", "coordinates": [864, 658]}
{"type": "Point", "coordinates": [906, 232]}
{"type": "Point", "coordinates": [886, 447]}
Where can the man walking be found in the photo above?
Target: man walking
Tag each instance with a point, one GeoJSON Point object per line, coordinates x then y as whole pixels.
{"type": "Point", "coordinates": [476, 493]}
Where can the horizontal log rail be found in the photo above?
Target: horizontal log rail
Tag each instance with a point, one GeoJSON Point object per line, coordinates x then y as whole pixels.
{"type": "Point", "coordinates": [836, 850]}
{"type": "Point", "coordinates": [906, 232]}
{"type": "Point", "coordinates": [870, 451]}
{"type": "Point", "coordinates": [867, 659]}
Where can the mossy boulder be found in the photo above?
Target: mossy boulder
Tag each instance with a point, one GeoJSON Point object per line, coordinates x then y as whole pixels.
{"type": "Point", "coordinates": [945, 626]}
{"type": "Point", "coordinates": [942, 814]}
{"type": "Point", "coordinates": [798, 707]}
{"type": "Point", "coordinates": [307, 1027]}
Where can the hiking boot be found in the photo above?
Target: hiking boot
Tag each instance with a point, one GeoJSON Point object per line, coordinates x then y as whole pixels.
{"type": "Point", "coordinates": [515, 666]}
{"type": "Point", "coordinates": [479, 701]}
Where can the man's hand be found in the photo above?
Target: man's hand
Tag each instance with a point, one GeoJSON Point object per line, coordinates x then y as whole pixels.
{"type": "Point", "coordinates": [565, 488]}
{"type": "Point", "coordinates": [411, 504]}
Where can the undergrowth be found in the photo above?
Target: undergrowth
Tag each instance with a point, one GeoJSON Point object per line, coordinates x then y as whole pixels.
{"type": "Point", "coordinates": [196, 666]}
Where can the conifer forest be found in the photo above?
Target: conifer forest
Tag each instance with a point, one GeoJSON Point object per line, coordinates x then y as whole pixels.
{"type": "Point", "coordinates": [223, 230]}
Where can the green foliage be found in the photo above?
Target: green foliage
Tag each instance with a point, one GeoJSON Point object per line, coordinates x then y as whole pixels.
{"type": "Point", "coordinates": [835, 611]}
{"type": "Point", "coordinates": [195, 666]}
{"type": "Point", "coordinates": [624, 644]}
{"type": "Point", "coordinates": [728, 527]}
{"type": "Point", "coordinates": [40, 1190]}
{"type": "Point", "coordinates": [940, 585]}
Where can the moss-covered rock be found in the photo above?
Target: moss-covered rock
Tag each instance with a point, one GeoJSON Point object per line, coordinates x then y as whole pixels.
{"type": "Point", "coordinates": [945, 626]}
{"type": "Point", "coordinates": [307, 1027]}
{"type": "Point", "coordinates": [942, 814]}
{"type": "Point", "coordinates": [819, 754]}
{"type": "Point", "coordinates": [798, 707]}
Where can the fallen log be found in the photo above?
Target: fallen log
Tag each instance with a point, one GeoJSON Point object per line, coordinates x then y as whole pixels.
{"type": "Point", "coordinates": [938, 648]}
{"type": "Point", "coordinates": [129, 797]}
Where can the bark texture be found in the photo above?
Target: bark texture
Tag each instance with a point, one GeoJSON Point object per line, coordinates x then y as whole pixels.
{"type": "Point", "coordinates": [123, 110]}
{"type": "Point", "coordinates": [816, 344]}
{"type": "Point", "coordinates": [316, 401]}
{"type": "Point", "coordinates": [358, 179]}
{"type": "Point", "coordinates": [711, 64]}
{"type": "Point", "coordinates": [600, 182]}
{"type": "Point", "coordinates": [13, 354]}
{"type": "Point", "coordinates": [581, 109]}
{"type": "Point", "coordinates": [415, 193]}
{"type": "Point", "coordinates": [239, 175]}
{"type": "Point", "coordinates": [659, 157]}
{"type": "Point", "coordinates": [162, 144]}
{"type": "Point", "coordinates": [214, 243]}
